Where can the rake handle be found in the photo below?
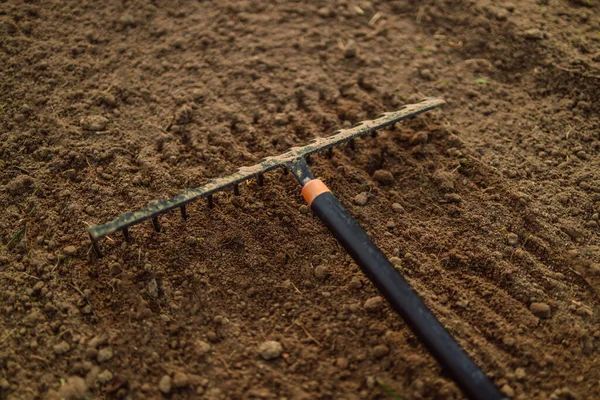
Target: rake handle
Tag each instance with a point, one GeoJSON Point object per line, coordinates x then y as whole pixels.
{"type": "Point", "coordinates": [398, 292]}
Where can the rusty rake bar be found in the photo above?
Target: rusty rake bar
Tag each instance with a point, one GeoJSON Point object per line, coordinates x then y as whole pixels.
{"type": "Point", "coordinates": [286, 161]}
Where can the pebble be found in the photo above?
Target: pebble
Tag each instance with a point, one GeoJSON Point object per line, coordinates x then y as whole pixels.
{"type": "Point", "coordinates": [281, 119]}
{"type": "Point", "coordinates": [165, 384]}
{"type": "Point", "coordinates": [325, 12]}
{"type": "Point", "coordinates": [342, 363]}
{"type": "Point", "coordinates": [512, 239]}
{"type": "Point", "coordinates": [180, 380]}
{"type": "Point", "coordinates": [350, 50]}
{"type": "Point", "coordinates": [361, 198]}
{"type": "Point", "coordinates": [373, 304]}
{"type": "Point", "coordinates": [520, 373]}
{"type": "Point", "coordinates": [452, 197]}
{"type": "Point", "coordinates": [94, 123]}
{"type": "Point", "coordinates": [322, 272]}
{"type": "Point", "coordinates": [105, 376]}
{"type": "Point", "coordinates": [380, 351]}
{"type": "Point", "coordinates": [383, 177]}
{"type": "Point", "coordinates": [74, 388]}
{"type": "Point", "coordinates": [355, 283]}
{"type": "Point", "coordinates": [70, 250]}
{"type": "Point", "coordinates": [507, 390]}
{"type": "Point", "coordinates": [270, 349]}
{"type": "Point", "coordinates": [534, 34]}
{"type": "Point", "coordinates": [201, 348]}
{"type": "Point", "coordinates": [61, 348]}
{"type": "Point", "coordinates": [397, 207]}
{"type": "Point", "coordinates": [105, 354]}
{"type": "Point", "coordinates": [541, 310]}
{"type": "Point", "coordinates": [20, 185]}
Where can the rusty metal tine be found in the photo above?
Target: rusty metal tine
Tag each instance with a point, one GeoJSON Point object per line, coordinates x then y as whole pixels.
{"type": "Point", "coordinates": [351, 144]}
{"type": "Point", "coordinates": [209, 198]}
{"type": "Point", "coordinates": [155, 224]}
{"type": "Point", "coordinates": [260, 180]}
{"type": "Point", "coordinates": [183, 212]}
{"type": "Point", "coordinates": [96, 248]}
{"type": "Point", "coordinates": [126, 234]}
{"type": "Point", "coordinates": [330, 152]}
{"type": "Point", "coordinates": [236, 189]}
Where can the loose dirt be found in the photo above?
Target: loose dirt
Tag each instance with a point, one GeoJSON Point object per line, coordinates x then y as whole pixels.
{"type": "Point", "coordinates": [489, 206]}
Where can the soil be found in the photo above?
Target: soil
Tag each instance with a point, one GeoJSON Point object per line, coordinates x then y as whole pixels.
{"type": "Point", "coordinates": [488, 206]}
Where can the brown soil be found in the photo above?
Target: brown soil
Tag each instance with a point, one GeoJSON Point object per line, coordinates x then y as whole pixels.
{"type": "Point", "coordinates": [492, 213]}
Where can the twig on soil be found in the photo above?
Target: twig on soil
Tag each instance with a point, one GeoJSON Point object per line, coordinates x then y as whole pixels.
{"type": "Point", "coordinates": [34, 357]}
{"type": "Point", "coordinates": [311, 337]}
{"type": "Point", "coordinates": [7, 335]}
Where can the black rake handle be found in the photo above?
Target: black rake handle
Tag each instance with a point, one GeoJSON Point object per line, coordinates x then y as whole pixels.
{"type": "Point", "coordinates": [398, 292]}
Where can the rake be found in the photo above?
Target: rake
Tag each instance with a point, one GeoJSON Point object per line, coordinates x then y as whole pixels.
{"type": "Point", "coordinates": [392, 285]}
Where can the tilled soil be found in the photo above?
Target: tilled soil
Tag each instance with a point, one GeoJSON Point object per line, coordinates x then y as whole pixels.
{"type": "Point", "coordinates": [488, 206]}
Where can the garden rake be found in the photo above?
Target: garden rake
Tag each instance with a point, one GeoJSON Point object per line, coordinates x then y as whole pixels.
{"type": "Point", "coordinates": [392, 285]}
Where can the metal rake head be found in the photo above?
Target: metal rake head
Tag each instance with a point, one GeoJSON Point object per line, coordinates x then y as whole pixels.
{"type": "Point", "coordinates": [293, 160]}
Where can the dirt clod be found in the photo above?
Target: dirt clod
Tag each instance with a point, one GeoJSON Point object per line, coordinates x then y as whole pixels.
{"type": "Point", "coordinates": [165, 384]}
{"type": "Point", "coordinates": [180, 380]}
{"type": "Point", "coordinates": [270, 349]}
{"type": "Point", "coordinates": [95, 123]}
{"type": "Point", "coordinates": [373, 304]}
{"type": "Point", "coordinates": [361, 198]}
{"type": "Point", "coordinates": [104, 354]}
{"type": "Point", "coordinates": [383, 177]}
{"type": "Point", "coordinates": [541, 310]}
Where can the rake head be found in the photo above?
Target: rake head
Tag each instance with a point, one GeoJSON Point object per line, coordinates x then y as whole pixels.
{"type": "Point", "coordinates": [293, 160]}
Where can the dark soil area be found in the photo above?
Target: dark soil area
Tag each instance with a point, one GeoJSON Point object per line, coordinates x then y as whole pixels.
{"type": "Point", "coordinates": [488, 206]}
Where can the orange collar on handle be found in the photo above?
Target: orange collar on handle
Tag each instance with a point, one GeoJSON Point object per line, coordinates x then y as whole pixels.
{"type": "Point", "coordinates": [313, 189]}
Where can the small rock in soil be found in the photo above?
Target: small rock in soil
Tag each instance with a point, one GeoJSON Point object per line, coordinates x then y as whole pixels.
{"type": "Point", "coordinates": [74, 388]}
{"type": "Point", "coordinates": [105, 376]}
{"type": "Point", "coordinates": [373, 304]}
{"type": "Point", "coordinates": [270, 350]}
{"type": "Point", "coordinates": [70, 250]}
{"type": "Point", "coordinates": [20, 185]}
{"type": "Point", "coordinates": [355, 283]}
{"type": "Point", "coordinates": [381, 351]}
{"type": "Point", "coordinates": [361, 198]}
{"type": "Point", "coordinates": [541, 310]}
{"type": "Point", "coordinates": [342, 363]}
{"type": "Point", "coordinates": [397, 207]}
{"type": "Point", "coordinates": [165, 384]}
{"type": "Point", "coordinates": [452, 197]}
{"type": "Point", "coordinates": [105, 354]}
{"type": "Point", "coordinates": [94, 123]}
{"type": "Point", "coordinates": [534, 34]}
{"type": "Point", "coordinates": [61, 348]}
{"type": "Point", "coordinates": [350, 50]}
{"type": "Point", "coordinates": [321, 272]}
{"type": "Point", "coordinates": [383, 177]}
{"type": "Point", "coordinates": [201, 348]}
{"type": "Point", "coordinates": [520, 373]}
{"type": "Point", "coordinates": [180, 380]}
{"type": "Point", "coordinates": [508, 391]}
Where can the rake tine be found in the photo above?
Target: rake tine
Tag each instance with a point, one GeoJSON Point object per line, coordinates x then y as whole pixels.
{"type": "Point", "coordinates": [210, 200]}
{"type": "Point", "coordinates": [330, 152]}
{"type": "Point", "coordinates": [183, 212]}
{"type": "Point", "coordinates": [352, 144]}
{"type": "Point", "coordinates": [308, 159]}
{"type": "Point", "coordinates": [374, 134]}
{"type": "Point", "coordinates": [96, 248]}
{"type": "Point", "coordinates": [126, 234]}
{"type": "Point", "coordinates": [285, 171]}
{"type": "Point", "coordinates": [155, 224]}
{"type": "Point", "coordinates": [260, 180]}
{"type": "Point", "coordinates": [236, 189]}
